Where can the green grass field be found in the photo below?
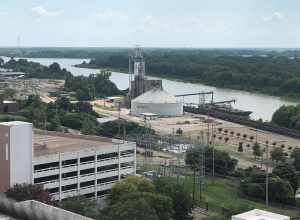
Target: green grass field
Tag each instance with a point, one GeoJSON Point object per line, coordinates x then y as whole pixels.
{"type": "Point", "coordinates": [225, 193]}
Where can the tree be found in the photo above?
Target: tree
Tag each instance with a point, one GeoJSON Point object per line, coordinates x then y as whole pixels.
{"type": "Point", "coordinates": [162, 204]}
{"type": "Point", "coordinates": [277, 154]}
{"type": "Point", "coordinates": [224, 164]}
{"type": "Point", "coordinates": [281, 191]}
{"type": "Point", "coordinates": [179, 131]}
{"type": "Point", "coordinates": [287, 172]}
{"type": "Point", "coordinates": [295, 155]}
{"type": "Point", "coordinates": [23, 192]}
{"type": "Point", "coordinates": [256, 150]}
{"type": "Point", "coordinates": [138, 208]}
{"type": "Point", "coordinates": [240, 148]}
{"type": "Point", "coordinates": [181, 198]}
{"type": "Point", "coordinates": [36, 111]}
{"type": "Point", "coordinates": [88, 127]}
{"type": "Point", "coordinates": [9, 93]}
{"type": "Point", "coordinates": [54, 124]}
{"type": "Point", "coordinates": [54, 68]}
{"type": "Point", "coordinates": [193, 157]}
{"type": "Point", "coordinates": [254, 184]}
{"type": "Point", "coordinates": [72, 120]}
{"type": "Point", "coordinates": [130, 184]}
{"type": "Point", "coordinates": [214, 218]}
{"type": "Point", "coordinates": [79, 205]}
{"type": "Point", "coordinates": [63, 103]}
{"type": "Point", "coordinates": [139, 188]}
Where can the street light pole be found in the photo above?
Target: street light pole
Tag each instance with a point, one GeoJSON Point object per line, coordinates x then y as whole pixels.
{"type": "Point", "coordinates": [267, 175]}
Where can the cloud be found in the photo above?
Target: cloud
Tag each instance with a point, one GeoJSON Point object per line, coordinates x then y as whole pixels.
{"type": "Point", "coordinates": [110, 14]}
{"type": "Point", "coordinates": [191, 24]}
{"type": "Point", "coordinates": [276, 16]}
{"type": "Point", "coordinates": [42, 12]}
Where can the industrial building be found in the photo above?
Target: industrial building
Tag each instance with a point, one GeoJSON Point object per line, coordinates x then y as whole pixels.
{"type": "Point", "coordinates": [65, 164]}
{"type": "Point", "coordinates": [148, 96]}
{"type": "Point", "coordinates": [139, 83]}
{"type": "Point", "coordinates": [257, 214]}
{"type": "Point", "coordinates": [157, 101]}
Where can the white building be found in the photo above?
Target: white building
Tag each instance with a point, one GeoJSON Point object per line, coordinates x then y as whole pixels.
{"type": "Point", "coordinates": [16, 154]}
{"type": "Point", "coordinates": [157, 101]}
{"type": "Point", "coordinates": [257, 214]}
{"type": "Point", "coordinates": [66, 164]}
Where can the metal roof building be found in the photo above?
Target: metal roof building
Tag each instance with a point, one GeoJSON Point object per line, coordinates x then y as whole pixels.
{"type": "Point", "coordinates": [157, 101]}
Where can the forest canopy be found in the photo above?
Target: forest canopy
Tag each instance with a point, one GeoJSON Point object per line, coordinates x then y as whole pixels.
{"type": "Point", "coordinates": [273, 74]}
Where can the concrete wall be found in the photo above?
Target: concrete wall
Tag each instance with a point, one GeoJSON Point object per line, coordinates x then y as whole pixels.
{"type": "Point", "coordinates": [21, 153]}
{"type": "Point", "coordinates": [4, 158]}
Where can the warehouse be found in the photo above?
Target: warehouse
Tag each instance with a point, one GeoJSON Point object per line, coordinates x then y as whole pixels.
{"type": "Point", "coordinates": [156, 101]}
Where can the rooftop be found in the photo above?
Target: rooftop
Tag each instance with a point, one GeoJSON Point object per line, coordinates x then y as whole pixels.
{"type": "Point", "coordinates": [44, 211]}
{"type": "Point", "coordinates": [257, 214]}
{"type": "Point", "coordinates": [15, 123]}
{"type": "Point", "coordinates": [46, 142]}
{"type": "Point", "coordinates": [156, 95]}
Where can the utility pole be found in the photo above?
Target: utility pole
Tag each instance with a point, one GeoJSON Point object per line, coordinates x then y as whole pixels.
{"type": "Point", "coordinates": [119, 119]}
{"type": "Point", "coordinates": [267, 175]}
{"type": "Point", "coordinates": [213, 150]}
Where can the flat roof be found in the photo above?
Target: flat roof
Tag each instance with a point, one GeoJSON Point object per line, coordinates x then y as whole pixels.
{"type": "Point", "coordinates": [46, 142]}
{"type": "Point", "coordinates": [15, 123]}
{"type": "Point", "coordinates": [50, 212]}
{"type": "Point", "coordinates": [257, 214]}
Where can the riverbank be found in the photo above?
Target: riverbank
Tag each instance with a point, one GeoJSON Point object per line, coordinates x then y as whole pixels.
{"type": "Point", "coordinates": [288, 97]}
{"type": "Point", "coordinates": [262, 106]}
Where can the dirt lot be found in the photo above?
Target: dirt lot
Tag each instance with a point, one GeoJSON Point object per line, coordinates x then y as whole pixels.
{"type": "Point", "coordinates": [228, 135]}
{"type": "Point", "coordinates": [25, 87]}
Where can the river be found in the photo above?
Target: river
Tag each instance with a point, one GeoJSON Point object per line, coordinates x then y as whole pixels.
{"type": "Point", "coordinates": [263, 106]}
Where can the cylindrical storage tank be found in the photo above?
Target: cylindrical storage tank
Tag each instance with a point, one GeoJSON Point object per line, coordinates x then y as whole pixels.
{"type": "Point", "coordinates": [156, 101]}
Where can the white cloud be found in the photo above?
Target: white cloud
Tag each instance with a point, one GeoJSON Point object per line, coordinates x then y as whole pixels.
{"type": "Point", "coordinates": [110, 14]}
{"type": "Point", "coordinates": [192, 24]}
{"type": "Point", "coordinates": [42, 12]}
{"type": "Point", "coordinates": [276, 16]}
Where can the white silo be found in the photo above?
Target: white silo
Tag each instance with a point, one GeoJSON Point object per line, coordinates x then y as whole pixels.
{"type": "Point", "coordinates": [157, 101]}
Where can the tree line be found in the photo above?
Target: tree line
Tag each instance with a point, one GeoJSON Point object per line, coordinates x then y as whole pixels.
{"type": "Point", "coordinates": [132, 198]}
{"type": "Point", "coordinates": [36, 70]}
{"type": "Point", "coordinates": [287, 116]}
{"type": "Point", "coordinates": [64, 114]}
{"type": "Point", "coordinates": [272, 74]}
{"type": "Point", "coordinates": [84, 87]}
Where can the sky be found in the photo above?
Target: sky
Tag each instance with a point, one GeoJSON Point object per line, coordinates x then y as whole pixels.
{"type": "Point", "coordinates": [151, 23]}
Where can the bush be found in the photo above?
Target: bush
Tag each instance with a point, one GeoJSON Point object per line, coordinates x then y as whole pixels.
{"type": "Point", "coordinates": [6, 117]}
